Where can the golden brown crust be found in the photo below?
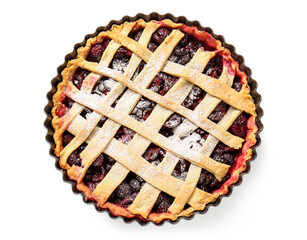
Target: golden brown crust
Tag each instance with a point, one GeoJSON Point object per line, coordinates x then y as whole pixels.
{"type": "Point", "coordinates": [242, 101]}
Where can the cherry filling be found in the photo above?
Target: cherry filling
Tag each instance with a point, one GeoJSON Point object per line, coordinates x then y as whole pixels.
{"type": "Point", "coordinates": [194, 98]}
{"type": "Point", "coordinates": [79, 76]}
{"type": "Point", "coordinates": [143, 109]}
{"type": "Point", "coordinates": [154, 154]}
{"type": "Point", "coordinates": [223, 154]}
{"type": "Point", "coordinates": [181, 169]}
{"type": "Point", "coordinates": [163, 202]}
{"type": "Point", "coordinates": [162, 83]}
{"type": "Point", "coordinates": [119, 63]}
{"type": "Point", "coordinates": [237, 85]}
{"type": "Point", "coordinates": [219, 112]}
{"type": "Point", "coordinates": [239, 127]}
{"type": "Point", "coordinates": [124, 135]}
{"type": "Point", "coordinates": [98, 170]}
{"type": "Point", "coordinates": [97, 50]}
{"type": "Point", "coordinates": [74, 158]}
{"type": "Point", "coordinates": [66, 104]}
{"type": "Point", "coordinates": [100, 88]}
{"type": "Point", "coordinates": [215, 67]}
{"type": "Point", "coordinates": [126, 192]}
{"type": "Point", "coordinates": [141, 112]}
{"type": "Point", "coordinates": [172, 122]}
{"type": "Point", "coordinates": [187, 47]}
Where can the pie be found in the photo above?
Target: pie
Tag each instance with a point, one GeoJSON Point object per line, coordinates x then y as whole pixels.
{"type": "Point", "coordinates": [153, 120]}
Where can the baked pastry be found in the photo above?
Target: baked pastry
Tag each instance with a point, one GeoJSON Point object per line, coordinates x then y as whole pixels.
{"type": "Point", "coordinates": [153, 120]}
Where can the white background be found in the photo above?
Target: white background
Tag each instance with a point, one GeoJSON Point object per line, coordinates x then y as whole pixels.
{"type": "Point", "coordinates": [36, 204]}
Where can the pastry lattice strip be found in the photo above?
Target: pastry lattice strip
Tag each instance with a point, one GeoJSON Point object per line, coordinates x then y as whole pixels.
{"type": "Point", "coordinates": [242, 100]}
{"type": "Point", "coordinates": [199, 197]}
{"type": "Point", "coordinates": [239, 100]}
{"type": "Point", "coordinates": [110, 98]}
{"type": "Point", "coordinates": [89, 154]}
{"type": "Point", "coordinates": [218, 169]}
{"type": "Point", "coordinates": [206, 107]}
{"type": "Point", "coordinates": [148, 195]}
{"type": "Point", "coordinates": [92, 114]}
{"type": "Point", "coordinates": [117, 171]}
{"type": "Point", "coordinates": [116, 157]}
{"type": "Point", "coordinates": [195, 117]}
{"type": "Point", "coordinates": [87, 86]}
{"type": "Point", "coordinates": [155, 120]}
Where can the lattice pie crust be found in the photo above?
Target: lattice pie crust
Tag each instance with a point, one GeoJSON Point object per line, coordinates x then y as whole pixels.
{"type": "Point", "coordinates": [129, 157]}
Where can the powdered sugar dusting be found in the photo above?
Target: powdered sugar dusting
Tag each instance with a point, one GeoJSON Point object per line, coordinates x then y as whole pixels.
{"type": "Point", "coordinates": [184, 129]}
{"type": "Point", "coordinates": [109, 83]}
{"type": "Point", "coordinates": [119, 65]}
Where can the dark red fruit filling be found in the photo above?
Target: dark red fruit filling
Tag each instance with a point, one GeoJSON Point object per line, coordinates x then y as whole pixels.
{"type": "Point", "coordinates": [207, 182]}
{"type": "Point", "coordinates": [124, 135]}
{"type": "Point", "coordinates": [119, 63]}
{"type": "Point", "coordinates": [237, 85]}
{"type": "Point", "coordinates": [61, 112]}
{"type": "Point", "coordinates": [126, 192]}
{"type": "Point", "coordinates": [203, 134]}
{"type": "Point", "coordinates": [154, 154]}
{"type": "Point", "coordinates": [121, 59]}
{"type": "Point", "coordinates": [67, 102]}
{"type": "Point", "coordinates": [79, 76]}
{"type": "Point", "coordinates": [123, 52]}
{"type": "Point", "coordinates": [136, 34]}
{"type": "Point", "coordinates": [67, 138]}
{"type": "Point", "coordinates": [194, 98]}
{"type": "Point", "coordinates": [224, 154]}
{"type": "Point", "coordinates": [97, 50]}
{"type": "Point", "coordinates": [162, 83]}
{"type": "Point", "coordinates": [74, 158]}
{"type": "Point", "coordinates": [163, 202]}
{"type": "Point", "coordinates": [239, 127]}
{"type": "Point", "coordinates": [98, 170]}
{"type": "Point", "coordinates": [159, 35]}
{"type": "Point", "coordinates": [187, 47]}
{"type": "Point", "coordinates": [181, 169]}
{"type": "Point", "coordinates": [100, 88]}
{"type": "Point", "coordinates": [215, 67]}
{"type": "Point", "coordinates": [143, 109]}
{"type": "Point", "coordinates": [152, 46]}
{"type": "Point", "coordinates": [173, 121]}
{"type": "Point", "coordinates": [219, 112]}
{"type": "Point", "coordinates": [182, 53]}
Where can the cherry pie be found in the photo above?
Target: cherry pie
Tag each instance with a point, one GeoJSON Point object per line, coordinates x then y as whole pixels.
{"type": "Point", "coordinates": [153, 120]}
